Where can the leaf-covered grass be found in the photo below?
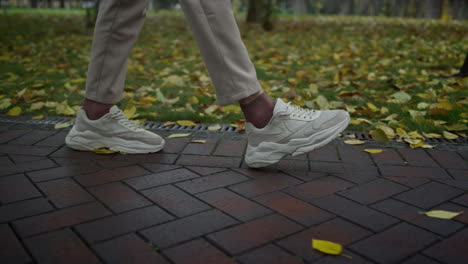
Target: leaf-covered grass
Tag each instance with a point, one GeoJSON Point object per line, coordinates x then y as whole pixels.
{"type": "Point", "coordinates": [368, 66]}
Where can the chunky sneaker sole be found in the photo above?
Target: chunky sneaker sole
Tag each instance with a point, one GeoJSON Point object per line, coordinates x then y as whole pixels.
{"type": "Point", "coordinates": [88, 141]}
{"type": "Point", "coordinates": [267, 153]}
{"type": "Point", "coordinates": [113, 131]}
{"type": "Point", "coordinates": [292, 131]}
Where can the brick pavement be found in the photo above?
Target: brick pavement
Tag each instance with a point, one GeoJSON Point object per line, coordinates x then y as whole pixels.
{"type": "Point", "coordinates": [194, 203]}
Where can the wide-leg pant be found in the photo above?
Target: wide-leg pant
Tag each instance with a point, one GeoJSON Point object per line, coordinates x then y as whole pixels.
{"type": "Point", "coordinates": [215, 30]}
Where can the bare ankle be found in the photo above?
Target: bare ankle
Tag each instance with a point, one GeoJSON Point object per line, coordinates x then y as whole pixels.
{"type": "Point", "coordinates": [95, 110]}
{"type": "Point", "coordinates": [259, 110]}
{"type": "Point", "coordinates": [249, 99]}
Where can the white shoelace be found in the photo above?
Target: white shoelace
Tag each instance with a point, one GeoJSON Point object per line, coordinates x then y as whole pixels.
{"type": "Point", "coordinates": [299, 112]}
{"type": "Point", "coordinates": [119, 116]}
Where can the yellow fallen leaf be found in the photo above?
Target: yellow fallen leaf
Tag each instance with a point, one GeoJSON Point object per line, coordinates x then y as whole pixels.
{"type": "Point", "coordinates": [427, 146]}
{"type": "Point", "coordinates": [400, 132]}
{"type": "Point", "coordinates": [449, 135]}
{"type": "Point", "coordinates": [187, 123]}
{"type": "Point", "coordinates": [5, 103]}
{"type": "Point", "coordinates": [129, 111]}
{"type": "Point", "coordinates": [384, 110]}
{"type": "Point", "coordinates": [211, 109]}
{"type": "Point", "coordinates": [445, 105]}
{"type": "Point", "coordinates": [51, 104]}
{"type": "Point", "coordinates": [457, 127]}
{"type": "Point", "coordinates": [103, 151]}
{"type": "Point", "coordinates": [179, 135]}
{"type": "Point", "coordinates": [193, 100]}
{"type": "Point", "coordinates": [391, 117]}
{"type": "Point", "coordinates": [418, 144]}
{"type": "Point", "coordinates": [15, 111]}
{"type": "Point", "coordinates": [354, 142]}
{"type": "Point", "coordinates": [61, 125]}
{"type": "Point", "coordinates": [37, 85]}
{"type": "Point", "coordinates": [358, 121]}
{"type": "Point", "coordinates": [36, 106]}
{"type": "Point", "coordinates": [431, 135]}
{"type": "Point", "coordinates": [374, 150]}
{"type": "Point", "coordinates": [313, 88]}
{"type": "Point", "coordinates": [351, 136]}
{"type": "Point", "coordinates": [327, 247]}
{"type": "Point", "coordinates": [400, 97]}
{"type": "Point", "coordinates": [442, 214]}
{"type": "Point", "coordinates": [372, 107]}
{"type": "Point", "coordinates": [388, 130]}
{"type": "Point", "coordinates": [415, 134]}
{"type": "Point", "coordinates": [168, 123]}
{"type": "Point", "coordinates": [78, 80]}
{"type": "Point", "coordinates": [411, 140]}
{"type": "Point", "coordinates": [37, 117]}
{"type": "Point", "coordinates": [201, 141]}
{"type": "Point", "coordinates": [439, 122]}
{"type": "Point", "coordinates": [422, 106]}
{"type": "Point", "coordinates": [416, 114]}
{"type": "Point", "coordinates": [174, 80]}
{"type": "Point", "coordinates": [240, 125]}
{"type": "Point", "coordinates": [65, 109]}
{"type": "Point", "coordinates": [147, 100]}
{"type": "Point", "coordinates": [214, 127]}
{"type": "Point", "coordinates": [379, 135]}
{"type": "Point", "coordinates": [322, 102]}
{"type": "Point", "coordinates": [350, 109]}
{"type": "Point", "coordinates": [231, 109]}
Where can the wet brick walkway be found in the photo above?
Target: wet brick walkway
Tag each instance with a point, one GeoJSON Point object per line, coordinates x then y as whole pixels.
{"type": "Point", "coordinates": [198, 203]}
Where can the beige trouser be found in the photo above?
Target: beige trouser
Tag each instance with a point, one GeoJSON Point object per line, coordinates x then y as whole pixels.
{"type": "Point", "coordinates": [213, 24]}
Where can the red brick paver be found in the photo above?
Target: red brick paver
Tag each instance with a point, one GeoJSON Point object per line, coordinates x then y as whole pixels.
{"type": "Point", "coordinates": [175, 200]}
{"type": "Point", "coordinates": [336, 230]}
{"type": "Point", "coordinates": [16, 188]}
{"type": "Point", "coordinates": [234, 204]}
{"type": "Point", "coordinates": [65, 192]}
{"type": "Point", "coordinates": [60, 218]}
{"type": "Point", "coordinates": [187, 228]}
{"type": "Point", "coordinates": [128, 249]}
{"type": "Point", "coordinates": [197, 252]}
{"type": "Point", "coordinates": [255, 233]}
{"type": "Point", "coordinates": [429, 195]}
{"type": "Point", "coordinates": [62, 246]}
{"type": "Point", "coordinates": [115, 225]}
{"type": "Point", "coordinates": [298, 210]}
{"type": "Point", "coordinates": [394, 244]}
{"type": "Point", "coordinates": [270, 254]}
{"type": "Point", "coordinates": [11, 250]}
{"type": "Point", "coordinates": [452, 250]}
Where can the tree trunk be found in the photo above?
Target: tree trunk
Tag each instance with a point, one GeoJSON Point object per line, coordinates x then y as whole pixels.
{"type": "Point", "coordinates": [346, 7]}
{"type": "Point", "coordinates": [300, 6]}
{"type": "Point", "coordinates": [62, 3]}
{"type": "Point", "coordinates": [464, 68]}
{"type": "Point", "coordinates": [432, 8]}
{"type": "Point", "coordinates": [256, 11]}
{"type": "Point", "coordinates": [261, 11]}
{"type": "Point", "coordinates": [34, 3]}
{"type": "Point", "coordinates": [459, 9]}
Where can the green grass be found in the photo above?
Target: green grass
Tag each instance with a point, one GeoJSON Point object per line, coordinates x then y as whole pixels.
{"type": "Point", "coordinates": [375, 56]}
{"type": "Point", "coordinates": [45, 11]}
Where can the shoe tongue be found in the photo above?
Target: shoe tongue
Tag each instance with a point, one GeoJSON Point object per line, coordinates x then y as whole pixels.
{"type": "Point", "coordinates": [114, 109]}
{"type": "Point", "coordinates": [280, 106]}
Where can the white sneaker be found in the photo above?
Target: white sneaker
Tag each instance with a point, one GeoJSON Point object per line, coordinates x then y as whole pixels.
{"type": "Point", "coordinates": [294, 131]}
{"type": "Point", "coordinates": [113, 131]}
